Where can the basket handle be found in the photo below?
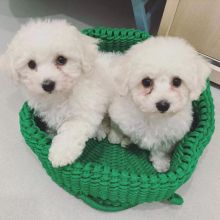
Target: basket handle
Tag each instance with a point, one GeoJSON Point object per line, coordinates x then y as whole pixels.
{"type": "Point", "coordinates": [175, 199]}
{"type": "Point", "coordinates": [107, 208]}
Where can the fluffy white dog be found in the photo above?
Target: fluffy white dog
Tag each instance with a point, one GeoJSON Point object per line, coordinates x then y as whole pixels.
{"type": "Point", "coordinates": [64, 78]}
{"type": "Point", "coordinates": [160, 78]}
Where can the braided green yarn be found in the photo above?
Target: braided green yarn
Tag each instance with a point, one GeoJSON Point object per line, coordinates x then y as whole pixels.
{"type": "Point", "coordinates": [109, 177]}
{"type": "Point", "coordinates": [176, 199]}
{"type": "Point", "coordinates": [116, 39]}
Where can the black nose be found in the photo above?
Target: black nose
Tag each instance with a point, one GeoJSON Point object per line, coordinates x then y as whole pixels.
{"type": "Point", "coordinates": [48, 85]}
{"type": "Point", "coordinates": [162, 106]}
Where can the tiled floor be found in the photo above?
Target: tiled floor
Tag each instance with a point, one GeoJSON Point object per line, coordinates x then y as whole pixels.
{"type": "Point", "coordinates": [26, 192]}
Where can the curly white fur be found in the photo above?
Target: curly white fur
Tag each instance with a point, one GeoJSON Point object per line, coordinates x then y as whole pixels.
{"type": "Point", "coordinates": [76, 107]}
{"type": "Point", "coordinates": [135, 112]}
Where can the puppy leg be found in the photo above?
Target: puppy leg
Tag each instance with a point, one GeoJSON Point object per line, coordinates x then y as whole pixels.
{"type": "Point", "coordinates": [103, 129]}
{"type": "Point", "coordinates": [70, 141]}
{"type": "Point", "coordinates": [117, 137]}
{"type": "Point", "coordinates": [72, 136]}
{"type": "Point", "coordinates": [160, 160]}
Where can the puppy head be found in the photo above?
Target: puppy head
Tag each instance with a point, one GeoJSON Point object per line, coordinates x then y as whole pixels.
{"type": "Point", "coordinates": [163, 74]}
{"type": "Point", "coordinates": [49, 56]}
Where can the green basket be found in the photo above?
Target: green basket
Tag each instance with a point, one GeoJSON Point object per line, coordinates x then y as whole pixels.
{"type": "Point", "coordinates": [109, 177]}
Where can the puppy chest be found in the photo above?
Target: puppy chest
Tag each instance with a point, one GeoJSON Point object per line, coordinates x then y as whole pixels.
{"type": "Point", "coordinates": [168, 130]}
{"type": "Point", "coordinates": [55, 116]}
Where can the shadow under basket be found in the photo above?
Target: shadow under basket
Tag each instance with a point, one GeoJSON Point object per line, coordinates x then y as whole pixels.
{"type": "Point", "coordinates": [109, 177]}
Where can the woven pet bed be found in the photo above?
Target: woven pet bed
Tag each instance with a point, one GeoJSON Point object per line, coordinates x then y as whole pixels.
{"type": "Point", "coordinates": [109, 177]}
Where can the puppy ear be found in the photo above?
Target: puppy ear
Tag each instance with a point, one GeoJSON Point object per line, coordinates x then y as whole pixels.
{"type": "Point", "coordinates": [122, 84]}
{"type": "Point", "coordinates": [122, 77]}
{"type": "Point", "coordinates": [203, 71]}
{"type": "Point", "coordinates": [89, 51]}
{"type": "Point", "coordinates": [7, 66]}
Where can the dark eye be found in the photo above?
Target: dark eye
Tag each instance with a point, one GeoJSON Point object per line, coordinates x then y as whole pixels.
{"type": "Point", "coordinates": [61, 60]}
{"type": "Point", "coordinates": [147, 82]}
{"type": "Point", "coordinates": [32, 64]}
{"type": "Point", "coordinates": [176, 81]}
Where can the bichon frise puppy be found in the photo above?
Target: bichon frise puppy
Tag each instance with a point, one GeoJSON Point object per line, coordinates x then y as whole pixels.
{"type": "Point", "coordinates": [160, 78]}
{"type": "Point", "coordinates": [64, 78]}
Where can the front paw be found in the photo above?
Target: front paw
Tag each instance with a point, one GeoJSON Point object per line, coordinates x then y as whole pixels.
{"type": "Point", "coordinates": [125, 141]}
{"type": "Point", "coordinates": [100, 134]}
{"type": "Point", "coordinates": [114, 137]}
{"type": "Point", "coordinates": [64, 150]}
{"type": "Point", "coordinates": [161, 164]}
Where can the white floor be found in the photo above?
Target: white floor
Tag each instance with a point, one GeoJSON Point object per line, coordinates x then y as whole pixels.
{"type": "Point", "coordinates": [26, 192]}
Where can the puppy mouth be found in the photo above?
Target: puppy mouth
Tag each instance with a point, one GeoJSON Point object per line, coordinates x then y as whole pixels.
{"type": "Point", "coordinates": [48, 92]}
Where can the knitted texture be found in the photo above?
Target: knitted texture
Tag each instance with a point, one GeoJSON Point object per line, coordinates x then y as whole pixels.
{"type": "Point", "coordinates": [112, 178]}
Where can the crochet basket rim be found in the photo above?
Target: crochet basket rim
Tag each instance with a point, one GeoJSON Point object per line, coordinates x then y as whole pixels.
{"type": "Point", "coordinates": [121, 190]}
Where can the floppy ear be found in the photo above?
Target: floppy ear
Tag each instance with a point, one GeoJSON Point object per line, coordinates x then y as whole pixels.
{"type": "Point", "coordinates": [125, 69]}
{"type": "Point", "coordinates": [203, 71]}
{"type": "Point", "coordinates": [122, 76]}
{"type": "Point", "coordinates": [89, 47]}
{"type": "Point", "coordinates": [7, 66]}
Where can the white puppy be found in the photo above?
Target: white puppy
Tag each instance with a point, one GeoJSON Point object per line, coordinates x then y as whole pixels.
{"type": "Point", "coordinates": [64, 78]}
{"type": "Point", "coordinates": [160, 78]}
